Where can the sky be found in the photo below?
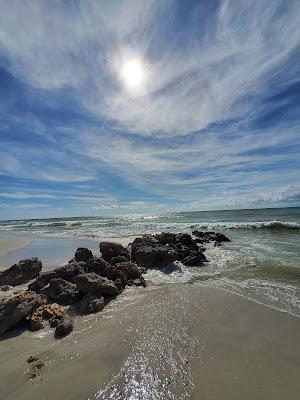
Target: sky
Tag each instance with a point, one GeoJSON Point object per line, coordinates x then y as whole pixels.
{"type": "Point", "coordinates": [213, 123]}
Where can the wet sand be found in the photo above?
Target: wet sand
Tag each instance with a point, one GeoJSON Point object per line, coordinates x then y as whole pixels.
{"type": "Point", "coordinates": [8, 244]}
{"type": "Point", "coordinates": [172, 342]}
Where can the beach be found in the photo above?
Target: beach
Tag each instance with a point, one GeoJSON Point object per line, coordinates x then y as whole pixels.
{"type": "Point", "coordinates": [226, 330]}
{"type": "Point", "coordinates": [172, 342]}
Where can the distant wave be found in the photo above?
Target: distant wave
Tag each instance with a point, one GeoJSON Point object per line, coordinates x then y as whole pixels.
{"type": "Point", "coordinates": [276, 225]}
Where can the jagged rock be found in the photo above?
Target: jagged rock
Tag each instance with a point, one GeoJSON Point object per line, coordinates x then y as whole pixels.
{"type": "Point", "coordinates": [52, 312]}
{"type": "Point", "coordinates": [119, 285]}
{"type": "Point", "coordinates": [209, 236]}
{"type": "Point", "coordinates": [91, 304]}
{"type": "Point", "coordinates": [16, 308]}
{"type": "Point", "coordinates": [129, 269]}
{"type": "Point", "coordinates": [97, 265]}
{"type": "Point", "coordinates": [41, 281]}
{"type": "Point", "coordinates": [112, 273]}
{"type": "Point", "coordinates": [95, 284]}
{"type": "Point", "coordinates": [148, 252]}
{"type": "Point", "coordinates": [64, 327]}
{"type": "Point", "coordinates": [66, 272]}
{"type": "Point", "coordinates": [186, 240]}
{"type": "Point", "coordinates": [111, 249]}
{"type": "Point", "coordinates": [166, 238]}
{"type": "Point", "coordinates": [22, 272]}
{"type": "Point", "coordinates": [83, 254]}
{"type": "Point", "coordinates": [182, 251]}
{"type": "Point", "coordinates": [62, 291]}
{"type": "Point", "coordinates": [195, 259]}
{"type": "Point", "coordinates": [118, 259]}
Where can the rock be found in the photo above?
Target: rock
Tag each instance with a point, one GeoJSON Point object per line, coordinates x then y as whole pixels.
{"type": "Point", "coordinates": [118, 259]}
{"type": "Point", "coordinates": [182, 251]}
{"type": "Point", "coordinates": [16, 308]}
{"type": "Point", "coordinates": [83, 254]}
{"type": "Point", "coordinates": [139, 282]}
{"type": "Point", "coordinates": [210, 236]}
{"type": "Point", "coordinates": [22, 272]}
{"type": "Point", "coordinates": [34, 368]}
{"type": "Point", "coordinates": [148, 252]}
{"type": "Point", "coordinates": [186, 240]}
{"type": "Point", "coordinates": [111, 249]}
{"type": "Point", "coordinates": [52, 312]}
{"type": "Point", "coordinates": [119, 285]}
{"type": "Point", "coordinates": [66, 272]}
{"type": "Point", "coordinates": [95, 284]}
{"type": "Point", "coordinates": [91, 304]}
{"type": "Point", "coordinates": [113, 274]}
{"type": "Point", "coordinates": [64, 327]}
{"type": "Point", "coordinates": [41, 281]}
{"type": "Point", "coordinates": [129, 269]}
{"type": "Point", "coordinates": [166, 238]}
{"type": "Point", "coordinates": [195, 259]}
{"type": "Point", "coordinates": [71, 270]}
{"type": "Point", "coordinates": [62, 291]}
{"type": "Point", "coordinates": [97, 265]}
{"type": "Point", "coordinates": [36, 323]}
{"type": "Point", "coordinates": [32, 358]}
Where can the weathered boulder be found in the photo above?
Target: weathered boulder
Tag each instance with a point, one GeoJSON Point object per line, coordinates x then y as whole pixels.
{"type": "Point", "coordinates": [148, 252]}
{"type": "Point", "coordinates": [196, 258]}
{"type": "Point", "coordinates": [41, 281]}
{"type": "Point", "coordinates": [113, 274]}
{"type": "Point", "coordinates": [83, 254]}
{"type": "Point", "coordinates": [118, 259]}
{"type": "Point", "coordinates": [16, 308]}
{"type": "Point", "coordinates": [21, 272]}
{"type": "Point", "coordinates": [209, 236]}
{"type": "Point", "coordinates": [97, 265]}
{"type": "Point", "coordinates": [111, 249]}
{"type": "Point", "coordinates": [129, 269]}
{"type": "Point", "coordinates": [166, 238]}
{"type": "Point", "coordinates": [95, 284]}
{"type": "Point", "coordinates": [90, 304]}
{"type": "Point", "coordinates": [64, 327]}
{"type": "Point", "coordinates": [66, 272]}
{"type": "Point", "coordinates": [52, 312]}
{"type": "Point", "coordinates": [63, 292]}
{"type": "Point", "coordinates": [186, 240]}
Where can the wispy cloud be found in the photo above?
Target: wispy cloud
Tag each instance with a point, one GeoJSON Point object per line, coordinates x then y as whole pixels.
{"type": "Point", "coordinates": [218, 113]}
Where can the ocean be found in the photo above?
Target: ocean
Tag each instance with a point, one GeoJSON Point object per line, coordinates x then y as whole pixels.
{"type": "Point", "coordinates": [262, 261]}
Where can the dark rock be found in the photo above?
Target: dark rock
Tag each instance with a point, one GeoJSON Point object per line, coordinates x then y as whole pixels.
{"type": "Point", "coordinates": [16, 308]}
{"type": "Point", "coordinates": [221, 238]}
{"type": "Point", "coordinates": [5, 288]}
{"type": "Point", "coordinates": [118, 259]}
{"type": "Point", "coordinates": [111, 249]}
{"type": "Point", "coordinates": [166, 238]}
{"type": "Point", "coordinates": [129, 269]}
{"type": "Point", "coordinates": [32, 358]}
{"type": "Point", "coordinates": [182, 251]}
{"type": "Point", "coordinates": [62, 291]}
{"type": "Point", "coordinates": [95, 284]}
{"type": "Point", "coordinates": [186, 240]}
{"type": "Point", "coordinates": [70, 270]}
{"type": "Point", "coordinates": [65, 326]}
{"type": "Point", "coordinates": [148, 252]}
{"type": "Point", "coordinates": [139, 282]}
{"type": "Point", "coordinates": [113, 274]}
{"type": "Point", "coordinates": [119, 285]}
{"type": "Point", "coordinates": [91, 304]}
{"type": "Point", "coordinates": [195, 259]}
{"type": "Point", "coordinates": [22, 272]}
{"type": "Point", "coordinates": [83, 254]}
{"type": "Point", "coordinates": [210, 236]}
{"type": "Point", "coordinates": [41, 281]}
{"type": "Point", "coordinates": [97, 265]}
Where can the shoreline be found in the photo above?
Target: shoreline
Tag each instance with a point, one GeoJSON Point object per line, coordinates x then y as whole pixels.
{"type": "Point", "coordinates": [162, 342]}
{"type": "Point", "coordinates": [10, 244]}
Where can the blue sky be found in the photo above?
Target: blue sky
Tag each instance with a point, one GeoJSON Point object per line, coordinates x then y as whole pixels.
{"type": "Point", "coordinates": [213, 125]}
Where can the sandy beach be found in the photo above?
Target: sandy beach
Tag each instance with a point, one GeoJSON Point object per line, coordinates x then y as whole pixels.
{"type": "Point", "coordinates": [168, 342]}
{"type": "Point", "coordinates": [8, 244]}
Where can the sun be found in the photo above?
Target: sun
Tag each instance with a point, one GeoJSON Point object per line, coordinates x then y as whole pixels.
{"type": "Point", "coordinates": [132, 73]}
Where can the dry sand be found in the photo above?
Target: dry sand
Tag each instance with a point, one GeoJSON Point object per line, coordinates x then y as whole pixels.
{"type": "Point", "coordinates": [10, 243]}
{"type": "Point", "coordinates": [172, 342]}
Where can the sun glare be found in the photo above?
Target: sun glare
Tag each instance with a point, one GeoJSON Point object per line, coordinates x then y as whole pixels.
{"type": "Point", "coordinates": [132, 73]}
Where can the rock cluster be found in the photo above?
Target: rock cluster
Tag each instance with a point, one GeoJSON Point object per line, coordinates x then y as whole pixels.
{"type": "Point", "coordinates": [88, 282]}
